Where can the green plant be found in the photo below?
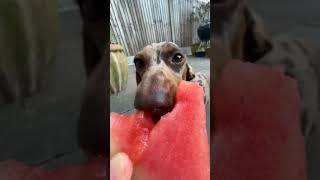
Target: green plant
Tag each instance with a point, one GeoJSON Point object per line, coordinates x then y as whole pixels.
{"type": "Point", "coordinates": [200, 49]}
{"type": "Point", "coordinates": [201, 13]}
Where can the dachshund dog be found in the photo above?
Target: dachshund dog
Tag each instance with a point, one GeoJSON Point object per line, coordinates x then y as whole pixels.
{"type": "Point", "coordinates": [160, 67]}
{"type": "Point", "coordinates": [239, 34]}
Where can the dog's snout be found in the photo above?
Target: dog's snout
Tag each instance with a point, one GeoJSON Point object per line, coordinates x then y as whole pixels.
{"type": "Point", "coordinates": [156, 103]}
{"type": "Point", "coordinates": [158, 82]}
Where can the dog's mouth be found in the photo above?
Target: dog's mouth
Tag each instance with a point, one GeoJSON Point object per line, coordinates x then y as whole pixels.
{"type": "Point", "coordinates": [158, 112]}
{"type": "Point", "coordinates": [155, 103]}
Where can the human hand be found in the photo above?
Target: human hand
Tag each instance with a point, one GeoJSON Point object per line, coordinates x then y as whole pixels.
{"type": "Point", "coordinates": [120, 167]}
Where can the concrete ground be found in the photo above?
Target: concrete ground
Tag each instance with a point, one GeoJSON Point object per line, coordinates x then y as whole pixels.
{"type": "Point", "coordinates": [123, 101]}
{"type": "Point", "coordinates": [299, 19]}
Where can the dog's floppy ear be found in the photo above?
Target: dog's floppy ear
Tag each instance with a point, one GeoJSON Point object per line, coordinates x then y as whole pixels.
{"type": "Point", "coordinates": [189, 73]}
{"type": "Point", "coordinates": [256, 42]}
{"type": "Point", "coordinates": [138, 78]}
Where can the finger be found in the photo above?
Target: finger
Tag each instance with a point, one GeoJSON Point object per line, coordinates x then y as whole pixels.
{"type": "Point", "coordinates": [113, 148]}
{"type": "Point", "coordinates": [120, 167]}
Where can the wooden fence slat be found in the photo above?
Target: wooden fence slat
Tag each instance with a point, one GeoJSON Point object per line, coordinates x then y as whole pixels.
{"type": "Point", "coordinates": [137, 23]}
{"type": "Point", "coordinates": [118, 26]}
{"type": "Point", "coordinates": [142, 23]}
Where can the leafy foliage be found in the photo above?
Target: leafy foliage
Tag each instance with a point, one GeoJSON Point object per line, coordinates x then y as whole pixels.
{"type": "Point", "coordinates": [201, 13]}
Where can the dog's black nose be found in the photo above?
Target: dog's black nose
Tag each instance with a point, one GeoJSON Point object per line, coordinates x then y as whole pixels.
{"type": "Point", "coordinates": [157, 103]}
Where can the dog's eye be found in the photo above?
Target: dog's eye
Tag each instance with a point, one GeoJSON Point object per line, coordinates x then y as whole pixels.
{"type": "Point", "coordinates": [139, 63]}
{"type": "Point", "coordinates": [177, 58]}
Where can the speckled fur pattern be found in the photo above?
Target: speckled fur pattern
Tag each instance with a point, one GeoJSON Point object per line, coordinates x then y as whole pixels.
{"type": "Point", "coordinates": [157, 58]}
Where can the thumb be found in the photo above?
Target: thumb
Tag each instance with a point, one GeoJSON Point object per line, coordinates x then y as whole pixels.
{"type": "Point", "coordinates": [120, 167]}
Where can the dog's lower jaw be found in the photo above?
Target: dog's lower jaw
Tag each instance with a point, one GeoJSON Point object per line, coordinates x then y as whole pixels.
{"type": "Point", "coordinates": [157, 113]}
{"type": "Point", "coordinates": [156, 118]}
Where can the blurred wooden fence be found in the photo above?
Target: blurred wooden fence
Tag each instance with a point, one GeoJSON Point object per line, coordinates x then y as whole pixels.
{"type": "Point", "coordinates": [136, 23]}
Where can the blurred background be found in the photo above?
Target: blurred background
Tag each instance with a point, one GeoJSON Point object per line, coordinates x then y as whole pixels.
{"type": "Point", "coordinates": [300, 19]}
{"type": "Point", "coordinates": [41, 124]}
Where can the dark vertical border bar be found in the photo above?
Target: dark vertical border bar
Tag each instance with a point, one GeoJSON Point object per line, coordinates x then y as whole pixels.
{"type": "Point", "coordinates": [93, 130]}
{"type": "Point", "coordinates": [107, 84]}
{"type": "Point", "coordinates": [212, 20]}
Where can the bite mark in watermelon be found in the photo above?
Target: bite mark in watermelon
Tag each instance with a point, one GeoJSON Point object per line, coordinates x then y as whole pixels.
{"type": "Point", "coordinates": [256, 131]}
{"type": "Point", "coordinates": [174, 148]}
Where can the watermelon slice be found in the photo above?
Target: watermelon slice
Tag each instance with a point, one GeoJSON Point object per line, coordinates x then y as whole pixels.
{"type": "Point", "coordinates": [174, 148]}
{"type": "Point", "coordinates": [256, 131]}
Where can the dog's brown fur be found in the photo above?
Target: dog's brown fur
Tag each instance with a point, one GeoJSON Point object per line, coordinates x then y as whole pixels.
{"type": "Point", "coordinates": [158, 75]}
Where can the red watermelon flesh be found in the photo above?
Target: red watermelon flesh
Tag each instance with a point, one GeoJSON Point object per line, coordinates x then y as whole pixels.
{"type": "Point", "coordinates": [175, 148]}
{"type": "Point", "coordinates": [95, 169]}
{"type": "Point", "coordinates": [256, 131]}
{"type": "Point", "coordinates": [131, 132]}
